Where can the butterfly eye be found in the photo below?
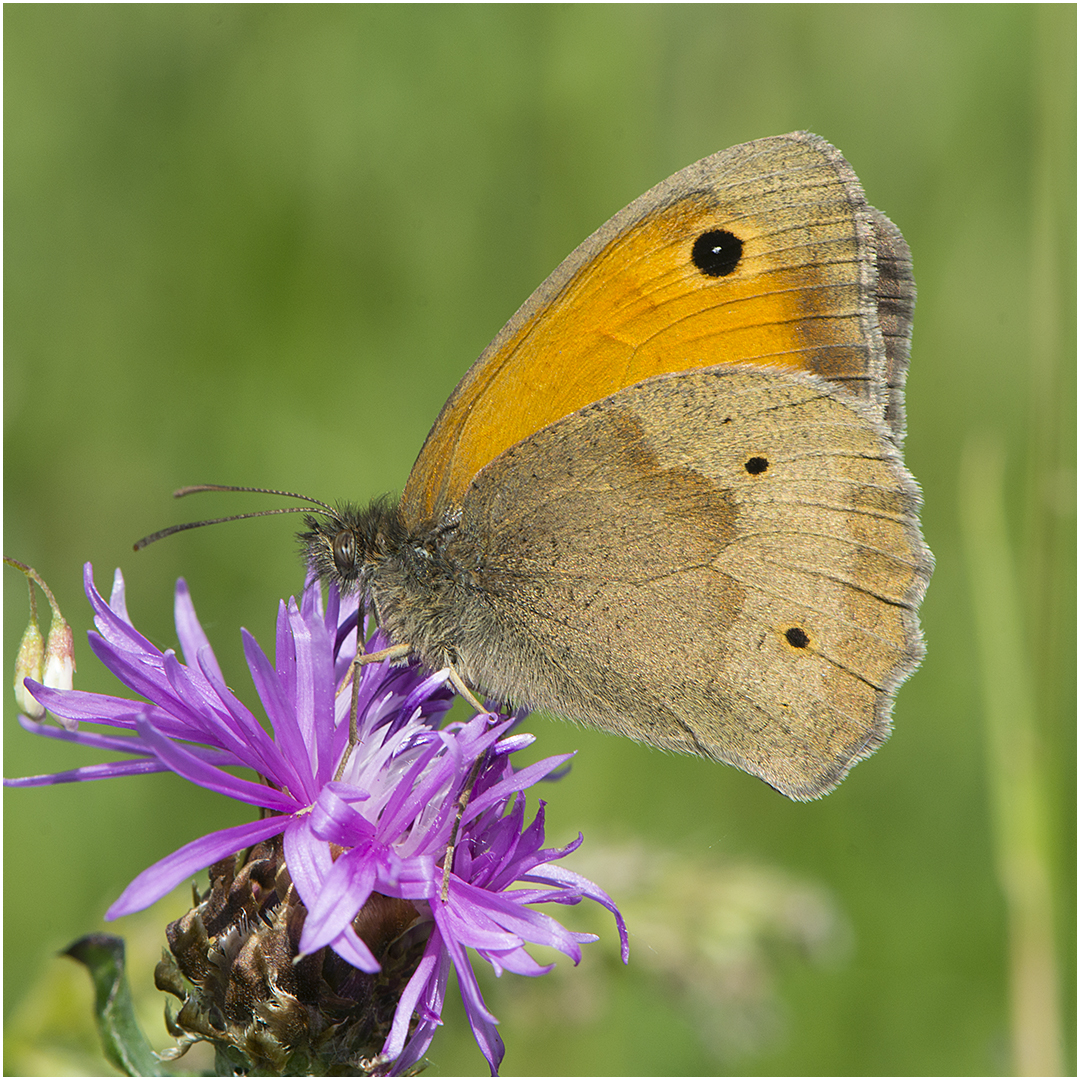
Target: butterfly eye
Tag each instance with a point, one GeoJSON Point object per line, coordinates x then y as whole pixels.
{"type": "Point", "coordinates": [717, 252]}
{"type": "Point", "coordinates": [345, 553]}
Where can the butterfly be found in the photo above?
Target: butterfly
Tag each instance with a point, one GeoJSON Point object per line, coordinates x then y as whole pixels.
{"type": "Point", "coordinates": [669, 499]}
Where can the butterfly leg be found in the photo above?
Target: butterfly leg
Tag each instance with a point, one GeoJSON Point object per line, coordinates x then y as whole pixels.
{"type": "Point", "coordinates": [393, 652]}
{"type": "Point", "coordinates": [458, 683]}
{"type": "Point", "coordinates": [460, 686]}
{"type": "Point", "coordinates": [396, 652]}
{"type": "Point", "coordinates": [463, 801]}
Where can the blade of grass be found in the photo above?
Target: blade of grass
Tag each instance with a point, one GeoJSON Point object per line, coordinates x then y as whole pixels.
{"type": "Point", "coordinates": [1016, 773]}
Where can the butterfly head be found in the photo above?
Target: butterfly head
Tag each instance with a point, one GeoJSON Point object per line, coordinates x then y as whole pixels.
{"type": "Point", "coordinates": [344, 547]}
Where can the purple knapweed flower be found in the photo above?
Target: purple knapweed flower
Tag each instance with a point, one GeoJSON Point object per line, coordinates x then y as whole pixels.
{"type": "Point", "coordinates": [359, 818]}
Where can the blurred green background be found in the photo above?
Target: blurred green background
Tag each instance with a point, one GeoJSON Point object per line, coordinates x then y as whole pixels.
{"type": "Point", "coordinates": [259, 245]}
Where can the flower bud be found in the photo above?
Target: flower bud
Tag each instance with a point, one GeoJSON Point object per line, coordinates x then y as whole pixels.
{"type": "Point", "coordinates": [60, 655]}
{"type": "Point", "coordinates": [51, 663]}
{"type": "Point", "coordinates": [60, 659]}
{"type": "Point", "coordinates": [29, 664]}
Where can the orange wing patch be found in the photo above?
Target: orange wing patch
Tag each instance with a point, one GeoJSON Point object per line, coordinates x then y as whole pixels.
{"type": "Point", "coordinates": [631, 303]}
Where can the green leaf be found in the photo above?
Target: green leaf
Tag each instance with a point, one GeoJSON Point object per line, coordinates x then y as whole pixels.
{"type": "Point", "coordinates": [122, 1039]}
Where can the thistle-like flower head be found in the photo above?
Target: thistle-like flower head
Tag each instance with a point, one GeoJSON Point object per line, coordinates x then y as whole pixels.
{"type": "Point", "coordinates": [359, 805]}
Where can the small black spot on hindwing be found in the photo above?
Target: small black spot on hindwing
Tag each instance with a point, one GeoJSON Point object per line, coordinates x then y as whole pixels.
{"type": "Point", "coordinates": [755, 466]}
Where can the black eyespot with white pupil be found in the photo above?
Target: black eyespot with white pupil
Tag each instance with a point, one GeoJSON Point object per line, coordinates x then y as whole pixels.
{"type": "Point", "coordinates": [717, 252]}
{"type": "Point", "coordinates": [345, 553]}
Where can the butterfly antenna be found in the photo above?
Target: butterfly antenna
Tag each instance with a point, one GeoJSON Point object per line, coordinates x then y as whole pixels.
{"type": "Point", "coordinates": [192, 489]}
{"type": "Point", "coordinates": [179, 493]}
